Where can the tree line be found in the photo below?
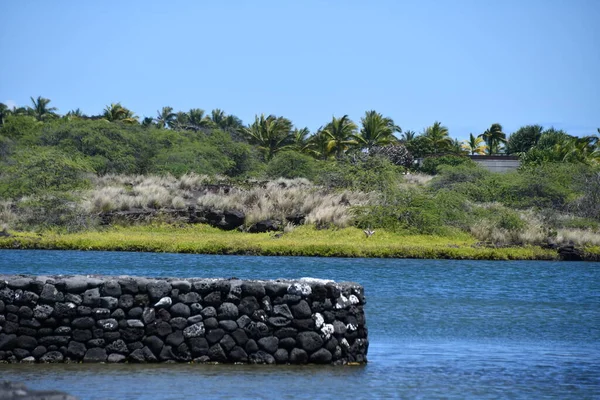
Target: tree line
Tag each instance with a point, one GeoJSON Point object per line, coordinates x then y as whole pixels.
{"type": "Point", "coordinates": [117, 140]}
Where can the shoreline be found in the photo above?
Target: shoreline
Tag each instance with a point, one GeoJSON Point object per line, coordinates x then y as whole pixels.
{"type": "Point", "coordinates": [303, 241]}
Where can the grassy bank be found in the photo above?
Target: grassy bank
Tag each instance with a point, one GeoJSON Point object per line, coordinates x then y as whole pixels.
{"type": "Point", "coordinates": [302, 241]}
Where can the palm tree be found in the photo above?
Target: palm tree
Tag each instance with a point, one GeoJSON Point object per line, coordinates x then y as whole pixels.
{"type": "Point", "coordinates": [474, 145]}
{"type": "Point", "coordinates": [494, 137]}
{"type": "Point", "coordinates": [317, 145]}
{"type": "Point", "coordinates": [376, 130]}
{"type": "Point", "coordinates": [271, 134]}
{"type": "Point", "coordinates": [116, 112]}
{"type": "Point", "coordinates": [437, 137]}
{"type": "Point", "coordinates": [40, 109]}
{"type": "Point", "coordinates": [340, 132]}
{"type": "Point", "coordinates": [407, 136]}
{"type": "Point", "coordinates": [147, 122]}
{"type": "Point", "coordinates": [165, 118]}
{"type": "Point", "coordinates": [300, 138]}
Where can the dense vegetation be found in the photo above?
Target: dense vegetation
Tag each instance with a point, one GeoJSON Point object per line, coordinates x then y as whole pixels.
{"type": "Point", "coordinates": [62, 172]}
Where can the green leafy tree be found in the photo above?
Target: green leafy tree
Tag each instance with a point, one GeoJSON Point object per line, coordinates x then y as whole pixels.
{"type": "Point", "coordinates": [475, 145]}
{"type": "Point", "coordinates": [341, 132]}
{"type": "Point", "coordinates": [291, 164]}
{"type": "Point", "coordinates": [494, 138]}
{"type": "Point", "coordinates": [271, 134]}
{"type": "Point", "coordinates": [438, 138]}
{"type": "Point", "coordinates": [376, 130]}
{"type": "Point", "coordinates": [524, 139]}
{"type": "Point", "coordinates": [40, 110]}
{"type": "Point", "coordinates": [420, 147]}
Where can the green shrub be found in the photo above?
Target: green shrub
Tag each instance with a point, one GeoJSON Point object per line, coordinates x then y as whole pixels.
{"type": "Point", "coordinates": [40, 170]}
{"type": "Point", "coordinates": [291, 164]}
{"type": "Point", "coordinates": [449, 175]}
{"type": "Point", "coordinates": [431, 165]}
{"type": "Point", "coordinates": [363, 173]}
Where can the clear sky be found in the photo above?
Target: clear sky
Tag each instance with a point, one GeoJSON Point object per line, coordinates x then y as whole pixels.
{"type": "Point", "coordinates": [466, 63]}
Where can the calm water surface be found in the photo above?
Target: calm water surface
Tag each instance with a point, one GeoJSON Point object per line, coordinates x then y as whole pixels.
{"type": "Point", "coordinates": [438, 329]}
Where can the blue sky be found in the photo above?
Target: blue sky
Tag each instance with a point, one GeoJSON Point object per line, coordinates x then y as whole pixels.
{"type": "Point", "coordinates": [466, 63]}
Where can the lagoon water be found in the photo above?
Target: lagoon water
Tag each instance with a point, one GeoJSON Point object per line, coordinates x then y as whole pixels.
{"type": "Point", "coordinates": [437, 328]}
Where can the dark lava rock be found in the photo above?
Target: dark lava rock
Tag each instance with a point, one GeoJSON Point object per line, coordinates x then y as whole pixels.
{"type": "Point", "coordinates": [570, 253]}
{"type": "Point", "coordinates": [287, 343]}
{"type": "Point", "coordinates": [228, 325]}
{"type": "Point", "coordinates": [267, 225]}
{"type": "Point", "coordinates": [83, 323]}
{"type": "Point", "coordinates": [309, 341]}
{"type": "Point", "coordinates": [261, 357]}
{"type": "Point", "coordinates": [180, 310]}
{"type": "Point", "coordinates": [26, 342]}
{"type": "Point", "coordinates": [216, 353]}
{"type": "Point", "coordinates": [298, 356]}
{"type": "Point", "coordinates": [118, 346]}
{"type": "Point", "coordinates": [76, 350]}
{"type": "Point", "coordinates": [158, 290]}
{"type": "Point", "coordinates": [7, 342]}
{"type": "Point", "coordinates": [208, 312]}
{"type": "Point", "coordinates": [321, 356]}
{"type": "Point", "coordinates": [281, 356]}
{"type": "Point", "coordinates": [116, 358]}
{"type": "Point", "coordinates": [240, 336]}
{"type": "Point", "coordinates": [301, 310]}
{"type": "Point", "coordinates": [52, 357]}
{"type": "Point", "coordinates": [198, 346]}
{"type": "Point", "coordinates": [227, 342]}
{"type": "Point", "coordinates": [111, 288]}
{"type": "Point", "coordinates": [174, 339]}
{"type": "Point", "coordinates": [213, 298]}
{"type": "Point", "coordinates": [126, 301]}
{"type": "Point", "coordinates": [269, 344]}
{"type": "Point", "coordinates": [237, 354]}
{"type": "Point", "coordinates": [154, 343]}
{"type": "Point", "coordinates": [254, 289]}
{"type": "Point", "coordinates": [50, 294]}
{"type": "Point", "coordinates": [214, 335]}
{"type": "Point", "coordinates": [91, 297]}
{"type": "Point", "coordinates": [251, 346]}
{"type": "Point", "coordinates": [189, 298]}
{"type": "Point", "coordinates": [211, 323]}
{"type": "Point", "coordinates": [248, 305]}
{"type": "Point", "coordinates": [179, 323]}
{"type": "Point", "coordinates": [228, 311]}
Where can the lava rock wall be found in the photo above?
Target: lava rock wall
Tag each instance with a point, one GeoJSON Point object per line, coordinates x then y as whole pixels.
{"type": "Point", "coordinates": [132, 319]}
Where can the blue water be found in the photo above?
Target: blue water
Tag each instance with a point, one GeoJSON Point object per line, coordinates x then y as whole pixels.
{"type": "Point", "coordinates": [437, 328]}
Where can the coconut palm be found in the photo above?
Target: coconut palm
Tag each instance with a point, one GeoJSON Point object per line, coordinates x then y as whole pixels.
{"type": "Point", "coordinates": [165, 117]}
{"type": "Point", "coordinates": [225, 122]}
{"type": "Point", "coordinates": [116, 112]}
{"type": "Point", "coordinates": [474, 145]}
{"type": "Point", "coordinates": [494, 138]}
{"type": "Point", "coordinates": [271, 134]}
{"type": "Point", "coordinates": [407, 136]}
{"type": "Point", "coordinates": [376, 130]}
{"type": "Point", "coordinates": [437, 137]}
{"type": "Point", "coordinates": [341, 132]}
{"type": "Point", "coordinates": [40, 109]}
{"type": "Point", "coordinates": [300, 138]}
{"type": "Point", "coordinates": [317, 145]}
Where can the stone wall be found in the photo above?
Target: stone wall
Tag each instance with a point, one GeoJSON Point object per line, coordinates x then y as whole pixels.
{"type": "Point", "coordinates": [132, 319]}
